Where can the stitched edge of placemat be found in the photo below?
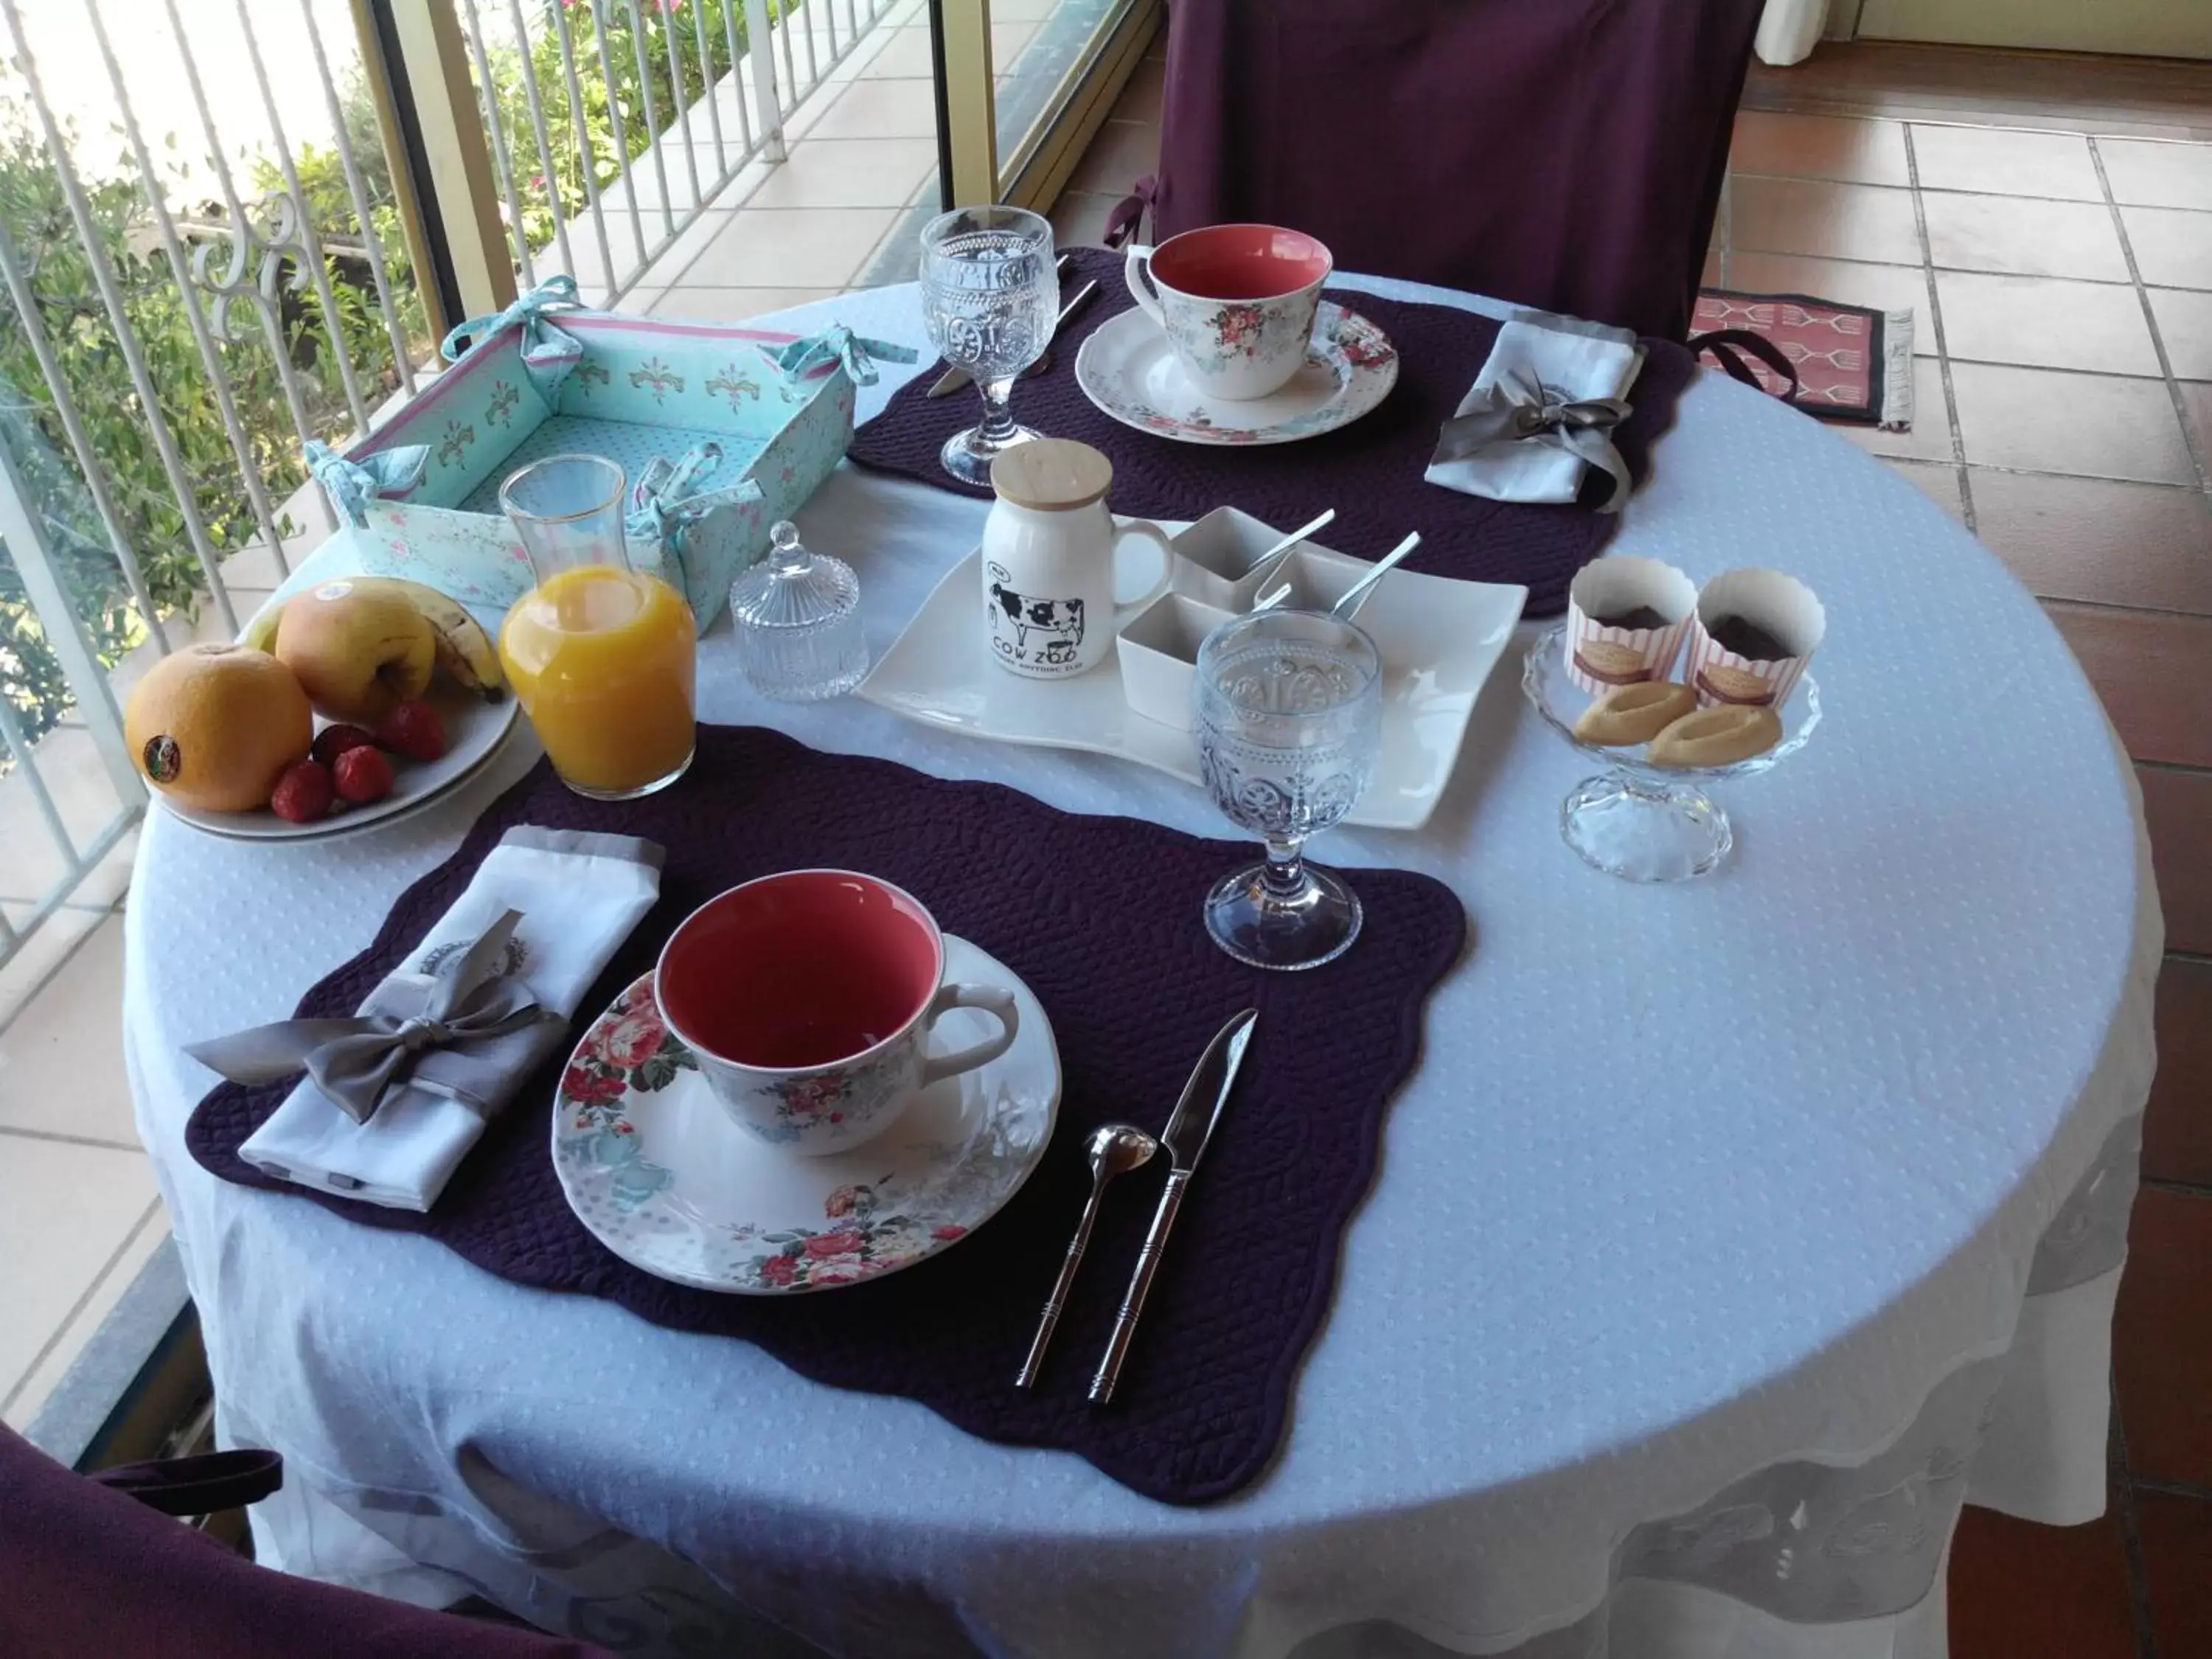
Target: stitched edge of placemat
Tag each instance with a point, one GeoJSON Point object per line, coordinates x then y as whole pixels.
{"type": "Point", "coordinates": [344, 986]}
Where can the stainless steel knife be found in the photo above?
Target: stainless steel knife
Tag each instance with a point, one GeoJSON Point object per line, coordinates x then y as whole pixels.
{"type": "Point", "coordinates": [1188, 1130]}
{"type": "Point", "coordinates": [953, 378]}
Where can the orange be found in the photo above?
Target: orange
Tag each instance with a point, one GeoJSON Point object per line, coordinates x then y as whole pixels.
{"type": "Point", "coordinates": [213, 726]}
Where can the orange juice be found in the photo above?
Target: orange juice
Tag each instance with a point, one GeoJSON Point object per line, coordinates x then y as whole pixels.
{"type": "Point", "coordinates": [604, 660]}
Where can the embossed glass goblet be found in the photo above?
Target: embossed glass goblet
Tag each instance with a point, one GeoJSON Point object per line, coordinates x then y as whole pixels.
{"type": "Point", "coordinates": [990, 298]}
{"type": "Point", "coordinates": [1289, 720]}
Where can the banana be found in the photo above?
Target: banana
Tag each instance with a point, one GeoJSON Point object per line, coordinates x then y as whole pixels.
{"type": "Point", "coordinates": [261, 632]}
{"type": "Point", "coordinates": [466, 653]}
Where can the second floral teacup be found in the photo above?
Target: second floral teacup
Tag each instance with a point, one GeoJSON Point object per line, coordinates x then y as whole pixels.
{"type": "Point", "coordinates": [1236, 302]}
{"type": "Point", "coordinates": [807, 999]}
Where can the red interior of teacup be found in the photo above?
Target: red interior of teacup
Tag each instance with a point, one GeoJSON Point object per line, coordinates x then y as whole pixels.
{"type": "Point", "coordinates": [1240, 262]}
{"type": "Point", "coordinates": [799, 970]}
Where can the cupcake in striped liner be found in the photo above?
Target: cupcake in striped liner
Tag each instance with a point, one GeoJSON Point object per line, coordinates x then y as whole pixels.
{"type": "Point", "coordinates": [1751, 635]}
{"type": "Point", "coordinates": [1626, 619]}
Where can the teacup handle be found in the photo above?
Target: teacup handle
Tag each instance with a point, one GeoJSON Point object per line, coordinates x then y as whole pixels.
{"type": "Point", "coordinates": [1137, 271]}
{"type": "Point", "coordinates": [1126, 614]}
{"type": "Point", "coordinates": [999, 1003]}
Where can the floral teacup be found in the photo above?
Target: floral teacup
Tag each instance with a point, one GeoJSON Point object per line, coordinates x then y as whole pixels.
{"type": "Point", "coordinates": [807, 999]}
{"type": "Point", "coordinates": [1235, 302]}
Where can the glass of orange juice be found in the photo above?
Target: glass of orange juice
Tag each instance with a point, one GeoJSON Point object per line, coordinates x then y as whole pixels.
{"type": "Point", "coordinates": [602, 656]}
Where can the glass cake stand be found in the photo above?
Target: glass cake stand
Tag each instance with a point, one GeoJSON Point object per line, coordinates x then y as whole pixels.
{"type": "Point", "coordinates": [1637, 821]}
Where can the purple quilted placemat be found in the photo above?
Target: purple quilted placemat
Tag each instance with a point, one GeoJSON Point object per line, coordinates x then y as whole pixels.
{"type": "Point", "coordinates": [1100, 916]}
{"type": "Point", "coordinates": [1370, 472]}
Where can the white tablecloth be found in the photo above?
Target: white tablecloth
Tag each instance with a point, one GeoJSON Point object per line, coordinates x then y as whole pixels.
{"type": "Point", "coordinates": [1713, 1237]}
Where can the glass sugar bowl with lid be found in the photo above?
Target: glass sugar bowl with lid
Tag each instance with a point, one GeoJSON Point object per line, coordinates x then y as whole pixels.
{"type": "Point", "coordinates": [798, 619]}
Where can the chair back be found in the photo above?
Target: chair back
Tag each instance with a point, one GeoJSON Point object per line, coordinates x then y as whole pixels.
{"type": "Point", "coordinates": [87, 1570]}
{"type": "Point", "coordinates": [1566, 155]}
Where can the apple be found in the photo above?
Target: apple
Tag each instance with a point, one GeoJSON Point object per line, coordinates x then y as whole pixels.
{"type": "Point", "coordinates": [358, 652]}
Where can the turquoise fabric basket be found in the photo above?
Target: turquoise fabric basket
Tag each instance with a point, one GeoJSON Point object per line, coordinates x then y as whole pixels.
{"type": "Point", "coordinates": [747, 423]}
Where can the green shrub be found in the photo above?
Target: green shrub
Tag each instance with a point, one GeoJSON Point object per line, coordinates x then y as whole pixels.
{"type": "Point", "coordinates": [118, 428]}
{"type": "Point", "coordinates": [602, 100]}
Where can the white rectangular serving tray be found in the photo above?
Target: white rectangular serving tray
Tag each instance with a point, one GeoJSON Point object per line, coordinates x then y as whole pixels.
{"type": "Point", "coordinates": [1439, 638]}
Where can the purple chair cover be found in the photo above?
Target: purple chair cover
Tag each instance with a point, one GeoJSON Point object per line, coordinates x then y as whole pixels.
{"type": "Point", "coordinates": [87, 1572]}
{"type": "Point", "coordinates": [1562, 154]}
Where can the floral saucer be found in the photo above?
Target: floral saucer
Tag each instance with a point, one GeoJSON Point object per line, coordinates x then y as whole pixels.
{"type": "Point", "coordinates": [1128, 368]}
{"type": "Point", "coordinates": [650, 1163]}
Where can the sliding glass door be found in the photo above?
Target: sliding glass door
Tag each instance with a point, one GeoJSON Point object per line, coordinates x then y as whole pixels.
{"type": "Point", "coordinates": [1022, 86]}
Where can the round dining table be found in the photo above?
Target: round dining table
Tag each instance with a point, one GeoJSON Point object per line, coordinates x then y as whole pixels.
{"type": "Point", "coordinates": [1730, 1235]}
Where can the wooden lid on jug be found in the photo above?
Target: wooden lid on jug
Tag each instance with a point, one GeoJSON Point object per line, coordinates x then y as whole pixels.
{"type": "Point", "coordinates": [1051, 475]}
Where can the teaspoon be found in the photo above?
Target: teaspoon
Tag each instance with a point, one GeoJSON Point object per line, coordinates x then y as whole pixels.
{"type": "Point", "coordinates": [1113, 1149]}
{"type": "Point", "coordinates": [1347, 606]}
{"type": "Point", "coordinates": [1267, 564]}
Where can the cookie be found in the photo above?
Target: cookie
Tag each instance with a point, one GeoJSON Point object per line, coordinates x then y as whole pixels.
{"type": "Point", "coordinates": [1635, 714]}
{"type": "Point", "coordinates": [1719, 736]}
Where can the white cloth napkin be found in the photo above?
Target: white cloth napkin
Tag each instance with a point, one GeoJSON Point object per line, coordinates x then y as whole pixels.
{"type": "Point", "coordinates": [580, 895]}
{"type": "Point", "coordinates": [1567, 355]}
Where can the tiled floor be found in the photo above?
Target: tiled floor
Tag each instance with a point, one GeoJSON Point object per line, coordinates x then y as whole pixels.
{"type": "Point", "coordinates": [843, 211]}
{"type": "Point", "coordinates": [2063, 281]}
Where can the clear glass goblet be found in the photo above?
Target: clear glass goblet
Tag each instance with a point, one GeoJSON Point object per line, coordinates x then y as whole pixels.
{"type": "Point", "coordinates": [1289, 720]}
{"type": "Point", "coordinates": [990, 298]}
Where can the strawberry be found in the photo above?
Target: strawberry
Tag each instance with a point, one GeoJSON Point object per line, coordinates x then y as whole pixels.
{"type": "Point", "coordinates": [334, 740]}
{"type": "Point", "coordinates": [363, 775]}
{"type": "Point", "coordinates": [303, 794]}
{"type": "Point", "coordinates": [414, 730]}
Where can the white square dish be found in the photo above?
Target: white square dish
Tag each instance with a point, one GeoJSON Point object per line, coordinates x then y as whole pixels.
{"type": "Point", "coordinates": [1439, 640]}
{"type": "Point", "coordinates": [1159, 654]}
{"type": "Point", "coordinates": [1217, 553]}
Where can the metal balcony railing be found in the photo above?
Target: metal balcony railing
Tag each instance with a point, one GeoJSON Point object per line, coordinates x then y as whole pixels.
{"type": "Point", "coordinates": [221, 235]}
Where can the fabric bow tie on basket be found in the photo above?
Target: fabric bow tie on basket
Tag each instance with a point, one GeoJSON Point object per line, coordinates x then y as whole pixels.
{"type": "Point", "coordinates": [352, 484]}
{"type": "Point", "coordinates": [549, 351]}
{"type": "Point", "coordinates": [1542, 413]}
{"type": "Point", "coordinates": [461, 1012]}
{"type": "Point", "coordinates": [672, 498]}
{"type": "Point", "coordinates": [836, 345]}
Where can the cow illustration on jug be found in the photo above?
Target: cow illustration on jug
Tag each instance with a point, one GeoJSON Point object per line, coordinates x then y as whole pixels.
{"type": "Point", "coordinates": [1026, 629]}
{"type": "Point", "coordinates": [1052, 606]}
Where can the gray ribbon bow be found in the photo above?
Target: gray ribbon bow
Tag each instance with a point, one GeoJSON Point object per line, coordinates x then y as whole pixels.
{"type": "Point", "coordinates": [469, 1003]}
{"type": "Point", "coordinates": [1520, 410]}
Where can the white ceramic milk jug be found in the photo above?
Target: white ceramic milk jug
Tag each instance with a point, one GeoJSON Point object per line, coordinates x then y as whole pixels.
{"type": "Point", "coordinates": [1048, 606]}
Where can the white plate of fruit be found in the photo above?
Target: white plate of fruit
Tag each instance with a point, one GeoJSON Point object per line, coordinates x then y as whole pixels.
{"type": "Point", "coordinates": [360, 699]}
